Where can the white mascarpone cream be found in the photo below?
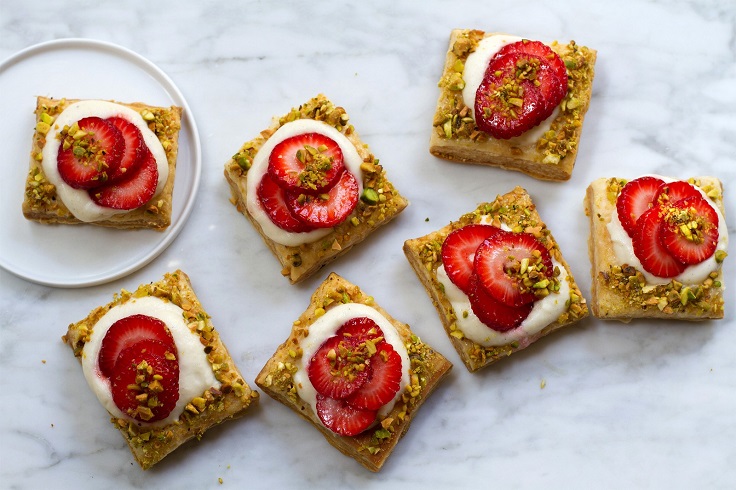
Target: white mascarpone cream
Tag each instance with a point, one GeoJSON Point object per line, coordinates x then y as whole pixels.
{"type": "Point", "coordinates": [623, 249]}
{"type": "Point", "coordinates": [475, 69]}
{"type": "Point", "coordinates": [77, 200]}
{"type": "Point", "coordinates": [258, 169]}
{"type": "Point", "coordinates": [195, 371]}
{"type": "Point", "coordinates": [325, 327]}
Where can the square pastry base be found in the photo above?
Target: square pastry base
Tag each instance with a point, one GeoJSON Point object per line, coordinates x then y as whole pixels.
{"type": "Point", "coordinates": [516, 211]}
{"type": "Point", "coordinates": [234, 396]}
{"type": "Point", "coordinates": [619, 291]}
{"type": "Point", "coordinates": [372, 447]}
{"type": "Point", "coordinates": [550, 155]}
{"type": "Point", "coordinates": [301, 261]}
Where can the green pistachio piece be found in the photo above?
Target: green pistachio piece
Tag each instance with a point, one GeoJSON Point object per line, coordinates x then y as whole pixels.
{"type": "Point", "coordinates": [369, 196]}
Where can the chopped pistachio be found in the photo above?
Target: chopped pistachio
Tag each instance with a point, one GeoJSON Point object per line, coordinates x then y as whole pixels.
{"type": "Point", "coordinates": [42, 127]}
{"type": "Point", "coordinates": [369, 196]}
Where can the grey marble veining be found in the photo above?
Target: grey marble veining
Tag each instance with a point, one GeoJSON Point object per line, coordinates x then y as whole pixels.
{"type": "Point", "coordinates": [601, 405]}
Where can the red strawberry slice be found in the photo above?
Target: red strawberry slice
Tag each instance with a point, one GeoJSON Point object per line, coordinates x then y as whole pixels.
{"type": "Point", "coordinates": [341, 418]}
{"type": "Point", "coordinates": [89, 160]}
{"type": "Point", "coordinates": [146, 381]}
{"type": "Point", "coordinates": [126, 332]}
{"type": "Point", "coordinates": [360, 328]}
{"type": "Point", "coordinates": [135, 147]}
{"type": "Point", "coordinates": [309, 163]}
{"type": "Point", "coordinates": [672, 192]}
{"type": "Point", "coordinates": [649, 248]}
{"type": "Point", "coordinates": [273, 200]}
{"type": "Point", "coordinates": [133, 190]}
{"type": "Point", "coordinates": [552, 85]}
{"type": "Point", "coordinates": [458, 252]}
{"type": "Point", "coordinates": [338, 368]}
{"type": "Point", "coordinates": [499, 264]}
{"type": "Point", "coordinates": [384, 383]}
{"type": "Point", "coordinates": [636, 197]}
{"type": "Point", "coordinates": [493, 313]}
{"type": "Point", "coordinates": [687, 243]}
{"type": "Point", "coordinates": [326, 210]}
{"type": "Point", "coordinates": [505, 104]}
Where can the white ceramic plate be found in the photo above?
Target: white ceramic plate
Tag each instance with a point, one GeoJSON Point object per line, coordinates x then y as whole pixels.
{"type": "Point", "coordinates": [82, 255]}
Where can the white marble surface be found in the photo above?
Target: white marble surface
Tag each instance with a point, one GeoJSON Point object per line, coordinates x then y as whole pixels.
{"type": "Point", "coordinates": [644, 405]}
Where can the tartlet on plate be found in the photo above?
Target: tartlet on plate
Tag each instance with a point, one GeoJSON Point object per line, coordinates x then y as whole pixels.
{"type": "Point", "coordinates": [109, 193]}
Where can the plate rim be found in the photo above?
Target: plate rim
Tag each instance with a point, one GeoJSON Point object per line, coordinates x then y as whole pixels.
{"type": "Point", "coordinates": [178, 98]}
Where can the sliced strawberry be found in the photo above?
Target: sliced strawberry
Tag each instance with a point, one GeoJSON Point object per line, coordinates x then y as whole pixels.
{"type": "Point", "coordinates": [326, 210]}
{"type": "Point", "coordinates": [635, 198]}
{"type": "Point", "coordinates": [384, 383]}
{"type": "Point", "coordinates": [458, 252]}
{"type": "Point", "coordinates": [672, 192]}
{"type": "Point", "coordinates": [145, 384]}
{"type": "Point", "coordinates": [132, 191]}
{"type": "Point", "coordinates": [273, 200]}
{"type": "Point", "coordinates": [135, 147]}
{"type": "Point", "coordinates": [493, 313]}
{"type": "Point", "coordinates": [506, 104]}
{"type": "Point", "coordinates": [360, 328]}
{"type": "Point", "coordinates": [87, 161]}
{"type": "Point", "coordinates": [341, 418]}
{"type": "Point", "coordinates": [126, 332]}
{"type": "Point", "coordinates": [552, 85]}
{"type": "Point", "coordinates": [339, 367]}
{"type": "Point", "coordinates": [309, 163]}
{"type": "Point", "coordinates": [649, 248]}
{"type": "Point", "coordinates": [509, 264]}
{"type": "Point", "coordinates": [690, 230]}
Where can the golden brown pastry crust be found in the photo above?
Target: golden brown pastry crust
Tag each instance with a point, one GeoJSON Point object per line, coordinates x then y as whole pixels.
{"type": "Point", "coordinates": [455, 136]}
{"type": "Point", "coordinates": [42, 204]}
{"type": "Point", "coordinates": [619, 291]}
{"type": "Point", "coordinates": [302, 261]}
{"type": "Point", "coordinates": [373, 447]}
{"type": "Point", "coordinates": [518, 212]}
{"type": "Point", "coordinates": [149, 446]}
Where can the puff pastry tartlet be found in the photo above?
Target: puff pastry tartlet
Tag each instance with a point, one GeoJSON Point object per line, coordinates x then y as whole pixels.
{"type": "Point", "coordinates": [353, 371]}
{"type": "Point", "coordinates": [656, 248]}
{"type": "Point", "coordinates": [497, 279]}
{"type": "Point", "coordinates": [512, 103]}
{"type": "Point", "coordinates": [311, 187]}
{"type": "Point", "coordinates": [105, 163]}
{"type": "Point", "coordinates": [155, 361]}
